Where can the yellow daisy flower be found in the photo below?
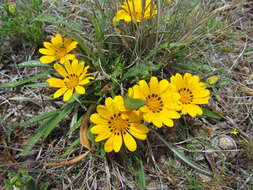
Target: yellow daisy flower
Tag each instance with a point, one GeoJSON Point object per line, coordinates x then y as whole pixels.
{"type": "Point", "coordinates": [162, 101]}
{"type": "Point", "coordinates": [57, 50]}
{"type": "Point", "coordinates": [234, 132]}
{"type": "Point", "coordinates": [192, 92]}
{"type": "Point", "coordinates": [117, 124]}
{"type": "Point", "coordinates": [75, 77]}
{"type": "Point", "coordinates": [132, 10]}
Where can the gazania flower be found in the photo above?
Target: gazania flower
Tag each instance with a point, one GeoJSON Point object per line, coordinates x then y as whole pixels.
{"type": "Point", "coordinates": [117, 124]}
{"type": "Point", "coordinates": [75, 77]}
{"type": "Point", "coordinates": [162, 101]}
{"type": "Point", "coordinates": [58, 50]}
{"type": "Point", "coordinates": [132, 10]}
{"type": "Point", "coordinates": [192, 92]}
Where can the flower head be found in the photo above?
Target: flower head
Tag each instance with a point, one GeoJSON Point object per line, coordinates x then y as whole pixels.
{"type": "Point", "coordinates": [212, 80]}
{"type": "Point", "coordinates": [132, 10]}
{"type": "Point", "coordinates": [234, 132]}
{"type": "Point", "coordinates": [192, 92]}
{"type": "Point", "coordinates": [162, 101]}
{"type": "Point", "coordinates": [58, 50]}
{"type": "Point", "coordinates": [75, 77]}
{"type": "Point", "coordinates": [117, 124]}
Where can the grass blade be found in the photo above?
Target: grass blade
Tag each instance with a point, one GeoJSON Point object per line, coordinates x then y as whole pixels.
{"type": "Point", "coordinates": [33, 63]}
{"type": "Point", "coordinates": [38, 118]}
{"type": "Point", "coordinates": [46, 128]}
{"type": "Point", "coordinates": [37, 85]}
{"type": "Point", "coordinates": [27, 80]}
{"type": "Point", "coordinates": [182, 157]}
{"type": "Point", "coordinates": [140, 173]}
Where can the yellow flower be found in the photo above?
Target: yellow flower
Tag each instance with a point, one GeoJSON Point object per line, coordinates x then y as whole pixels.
{"type": "Point", "coordinates": [162, 101]}
{"type": "Point", "coordinates": [57, 50]}
{"type": "Point", "coordinates": [234, 132]}
{"type": "Point", "coordinates": [117, 124]}
{"type": "Point", "coordinates": [75, 77]}
{"type": "Point", "coordinates": [192, 92]}
{"type": "Point", "coordinates": [132, 10]}
{"type": "Point", "coordinates": [212, 80]}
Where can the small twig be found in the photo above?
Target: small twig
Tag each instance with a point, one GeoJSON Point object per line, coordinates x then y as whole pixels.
{"type": "Point", "coordinates": [239, 57]}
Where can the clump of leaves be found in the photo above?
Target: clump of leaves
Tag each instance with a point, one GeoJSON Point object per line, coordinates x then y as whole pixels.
{"type": "Point", "coordinates": [17, 21]}
{"type": "Point", "coordinates": [22, 181]}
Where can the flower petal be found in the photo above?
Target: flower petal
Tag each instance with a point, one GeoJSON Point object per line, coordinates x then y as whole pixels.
{"type": "Point", "coordinates": [117, 142]}
{"type": "Point", "coordinates": [122, 15]}
{"type": "Point", "coordinates": [153, 84]}
{"type": "Point", "coordinates": [104, 112]}
{"type": "Point", "coordinates": [49, 46]}
{"type": "Point", "coordinates": [103, 136]}
{"type": "Point", "coordinates": [109, 145]}
{"type": "Point", "coordinates": [80, 90]}
{"type": "Point", "coordinates": [47, 59]}
{"type": "Point", "coordinates": [97, 119]}
{"type": "Point", "coordinates": [55, 82]}
{"type": "Point", "coordinates": [60, 70]}
{"type": "Point", "coordinates": [137, 135]}
{"type": "Point", "coordinates": [70, 56]}
{"type": "Point", "coordinates": [57, 40]}
{"type": "Point", "coordinates": [71, 46]}
{"type": "Point", "coordinates": [47, 51]}
{"type": "Point", "coordinates": [85, 81]}
{"type": "Point", "coordinates": [129, 142]}
{"type": "Point", "coordinates": [68, 95]}
{"type": "Point", "coordinates": [99, 129]}
{"type": "Point", "coordinates": [60, 92]}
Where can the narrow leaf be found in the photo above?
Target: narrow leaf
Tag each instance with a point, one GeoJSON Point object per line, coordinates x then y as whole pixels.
{"type": "Point", "coordinates": [210, 114]}
{"type": "Point", "coordinates": [182, 157]}
{"type": "Point", "coordinates": [38, 118]}
{"type": "Point", "coordinates": [33, 63]}
{"type": "Point", "coordinates": [140, 173]}
{"type": "Point", "coordinates": [76, 125]}
{"type": "Point", "coordinates": [35, 138]}
{"type": "Point", "coordinates": [37, 85]}
{"type": "Point", "coordinates": [27, 80]}
{"type": "Point", "coordinates": [71, 148]}
{"type": "Point", "coordinates": [133, 103]}
{"type": "Point", "coordinates": [57, 119]}
{"type": "Point", "coordinates": [164, 46]}
{"type": "Point", "coordinates": [46, 128]}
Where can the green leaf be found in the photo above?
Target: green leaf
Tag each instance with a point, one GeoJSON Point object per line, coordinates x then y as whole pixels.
{"type": "Point", "coordinates": [133, 103]}
{"type": "Point", "coordinates": [46, 128]}
{"type": "Point", "coordinates": [182, 157]}
{"type": "Point", "coordinates": [140, 173]}
{"type": "Point", "coordinates": [76, 125]}
{"type": "Point", "coordinates": [37, 85]}
{"type": "Point", "coordinates": [164, 46]}
{"type": "Point", "coordinates": [210, 114]}
{"type": "Point", "coordinates": [59, 21]}
{"type": "Point", "coordinates": [71, 147]}
{"type": "Point", "coordinates": [98, 30]}
{"type": "Point", "coordinates": [27, 80]}
{"type": "Point", "coordinates": [38, 118]}
{"type": "Point", "coordinates": [57, 119]}
{"type": "Point", "coordinates": [33, 63]}
{"type": "Point", "coordinates": [141, 69]}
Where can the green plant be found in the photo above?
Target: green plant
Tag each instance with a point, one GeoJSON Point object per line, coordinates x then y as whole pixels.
{"type": "Point", "coordinates": [22, 181]}
{"type": "Point", "coordinates": [17, 21]}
